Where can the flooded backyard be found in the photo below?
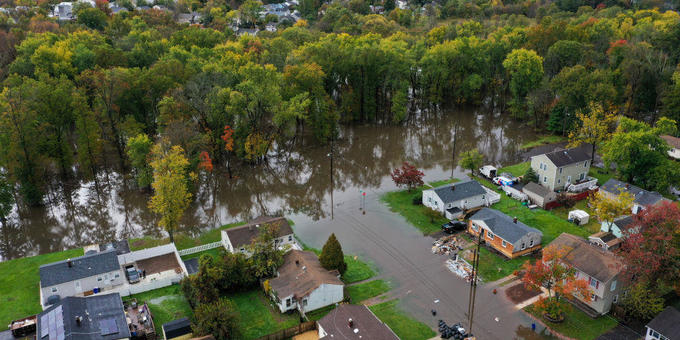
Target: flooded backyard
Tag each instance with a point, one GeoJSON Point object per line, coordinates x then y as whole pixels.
{"type": "Point", "coordinates": [295, 180]}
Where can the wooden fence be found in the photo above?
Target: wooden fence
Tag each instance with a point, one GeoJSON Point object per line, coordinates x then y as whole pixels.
{"type": "Point", "coordinates": [291, 332]}
{"type": "Point", "coordinates": [202, 247]}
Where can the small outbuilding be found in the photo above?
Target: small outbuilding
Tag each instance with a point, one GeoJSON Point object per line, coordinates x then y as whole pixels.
{"type": "Point", "coordinates": [177, 329]}
{"type": "Point", "coordinates": [538, 194]}
{"type": "Point", "coordinates": [579, 217]}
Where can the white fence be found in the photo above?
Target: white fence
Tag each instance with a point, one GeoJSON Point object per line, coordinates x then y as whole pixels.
{"type": "Point", "coordinates": [492, 197]}
{"type": "Point", "coordinates": [200, 248]}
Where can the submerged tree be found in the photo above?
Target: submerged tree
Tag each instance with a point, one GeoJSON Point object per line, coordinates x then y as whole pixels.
{"type": "Point", "coordinates": [407, 175]}
{"type": "Point", "coordinates": [471, 160]}
{"type": "Point", "coordinates": [139, 151]}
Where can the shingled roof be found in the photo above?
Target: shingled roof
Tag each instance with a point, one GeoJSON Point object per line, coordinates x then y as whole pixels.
{"type": "Point", "coordinates": [590, 259]}
{"type": "Point", "coordinates": [537, 189]}
{"type": "Point", "coordinates": [672, 141]}
{"type": "Point", "coordinates": [641, 196]}
{"type": "Point", "coordinates": [244, 235]}
{"type": "Point", "coordinates": [300, 274]}
{"type": "Point", "coordinates": [458, 191]}
{"type": "Point", "coordinates": [336, 324]}
{"type": "Point", "coordinates": [81, 267]}
{"type": "Point", "coordinates": [568, 156]}
{"type": "Point", "coordinates": [503, 225]}
{"type": "Point", "coordinates": [667, 323]}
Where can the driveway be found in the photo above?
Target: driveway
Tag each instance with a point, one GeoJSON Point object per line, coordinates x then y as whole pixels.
{"type": "Point", "coordinates": [403, 256]}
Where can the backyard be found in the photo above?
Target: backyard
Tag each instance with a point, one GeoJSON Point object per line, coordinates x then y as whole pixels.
{"type": "Point", "coordinates": [183, 240]}
{"type": "Point", "coordinates": [259, 316]}
{"type": "Point", "coordinates": [544, 140]}
{"type": "Point", "coordinates": [166, 304]}
{"type": "Point", "coordinates": [19, 284]}
{"type": "Point", "coordinates": [577, 324]}
{"type": "Point", "coordinates": [404, 326]}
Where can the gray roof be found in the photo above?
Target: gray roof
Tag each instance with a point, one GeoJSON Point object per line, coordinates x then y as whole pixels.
{"type": "Point", "coordinates": [537, 189]}
{"type": "Point", "coordinates": [176, 328]}
{"type": "Point", "coordinates": [459, 191]}
{"type": "Point", "coordinates": [246, 234]}
{"type": "Point", "coordinates": [667, 323]}
{"type": "Point", "coordinates": [103, 318]}
{"type": "Point", "coordinates": [568, 156]}
{"type": "Point", "coordinates": [623, 222]}
{"type": "Point", "coordinates": [82, 267]}
{"type": "Point", "coordinates": [336, 324]}
{"type": "Point", "coordinates": [503, 225]}
{"type": "Point", "coordinates": [592, 260]}
{"type": "Point", "coordinates": [642, 196]}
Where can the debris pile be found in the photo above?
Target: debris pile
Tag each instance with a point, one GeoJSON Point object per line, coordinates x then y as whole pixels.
{"type": "Point", "coordinates": [448, 245]}
{"type": "Point", "coordinates": [461, 268]}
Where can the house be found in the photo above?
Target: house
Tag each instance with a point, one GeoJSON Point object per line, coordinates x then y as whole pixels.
{"type": "Point", "coordinates": [353, 322]}
{"type": "Point", "coordinates": [600, 268]}
{"type": "Point", "coordinates": [539, 194]}
{"type": "Point", "coordinates": [238, 239]}
{"type": "Point", "coordinates": [79, 275]}
{"type": "Point", "coordinates": [303, 284]}
{"type": "Point", "coordinates": [665, 326]}
{"type": "Point", "coordinates": [558, 169]}
{"type": "Point", "coordinates": [674, 143]}
{"type": "Point", "coordinates": [454, 199]}
{"type": "Point", "coordinates": [619, 226]}
{"type": "Point", "coordinates": [179, 329]}
{"type": "Point", "coordinates": [642, 198]}
{"type": "Point", "coordinates": [605, 240]}
{"type": "Point", "coordinates": [509, 236]}
{"type": "Point", "coordinates": [97, 317]}
{"type": "Point", "coordinates": [162, 266]}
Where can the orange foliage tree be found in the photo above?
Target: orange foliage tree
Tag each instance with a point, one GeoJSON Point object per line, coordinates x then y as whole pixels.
{"type": "Point", "coordinates": [560, 279]}
{"type": "Point", "coordinates": [228, 138]}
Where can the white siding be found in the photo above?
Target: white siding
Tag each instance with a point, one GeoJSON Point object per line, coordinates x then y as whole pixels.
{"type": "Point", "coordinates": [326, 294]}
{"type": "Point", "coordinates": [86, 284]}
{"type": "Point", "coordinates": [432, 200]}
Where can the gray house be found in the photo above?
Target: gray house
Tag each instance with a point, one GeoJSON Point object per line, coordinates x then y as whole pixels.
{"type": "Point", "coordinates": [665, 326]}
{"type": "Point", "coordinates": [454, 199]}
{"type": "Point", "coordinates": [76, 276]}
{"type": "Point", "coordinates": [642, 198]}
{"type": "Point", "coordinates": [98, 317]}
{"type": "Point", "coordinates": [600, 268]}
{"type": "Point", "coordinates": [558, 169]}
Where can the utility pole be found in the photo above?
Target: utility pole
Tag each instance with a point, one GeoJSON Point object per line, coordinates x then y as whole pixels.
{"type": "Point", "coordinates": [331, 156]}
{"type": "Point", "coordinates": [473, 282]}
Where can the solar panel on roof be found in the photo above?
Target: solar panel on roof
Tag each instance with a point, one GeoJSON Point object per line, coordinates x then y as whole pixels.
{"type": "Point", "coordinates": [108, 326]}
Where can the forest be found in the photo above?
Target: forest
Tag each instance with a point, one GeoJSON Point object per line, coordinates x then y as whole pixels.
{"type": "Point", "coordinates": [117, 90]}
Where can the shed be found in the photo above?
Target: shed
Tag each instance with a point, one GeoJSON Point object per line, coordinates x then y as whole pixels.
{"type": "Point", "coordinates": [538, 194]}
{"type": "Point", "coordinates": [579, 217]}
{"type": "Point", "coordinates": [179, 328]}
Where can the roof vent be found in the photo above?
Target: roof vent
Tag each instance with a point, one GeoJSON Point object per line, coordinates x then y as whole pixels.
{"type": "Point", "coordinates": [304, 268]}
{"type": "Point", "coordinates": [356, 330]}
{"type": "Point", "coordinates": [350, 322]}
{"type": "Point", "coordinates": [514, 220]}
{"type": "Point", "coordinates": [79, 320]}
{"type": "Point", "coordinates": [453, 187]}
{"type": "Point", "coordinates": [69, 263]}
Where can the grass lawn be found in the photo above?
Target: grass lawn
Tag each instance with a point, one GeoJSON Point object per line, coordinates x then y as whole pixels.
{"type": "Point", "coordinates": [516, 169]}
{"type": "Point", "coordinates": [319, 313]}
{"type": "Point", "coordinates": [592, 226]}
{"type": "Point", "coordinates": [20, 284]}
{"type": "Point", "coordinates": [215, 253]}
{"type": "Point", "coordinates": [182, 241]}
{"type": "Point", "coordinates": [357, 270]}
{"type": "Point", "coordinates": [543, 140]}
{"type": "Point", "coordinates": [166, 304]}
{"type": "Point", "coordinates": [401, 202]}
{"type": "Point", "coordinates": [494, 267]}
{"type": "Point", "coordinates": [259, 316]}
{"type": "Point", "coordinates": [367, 290]}
{"type": "Point", "coordinates": [577, 324]}
{"type": "Point", "coordinates": [436, 184]}
{"type": "Point", "coordinates": [404, 326]}
{"type": "Point", "coordinates": [601, 175]}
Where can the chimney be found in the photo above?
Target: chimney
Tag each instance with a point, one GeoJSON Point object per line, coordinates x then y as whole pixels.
{"type": "Point", "coordinates": [453, 187]}
{"type": "Point", "coordinates": [627, 186]}
{"type": "Point", "coordinates": [514, 220]}
{"type": "Point", "coordinates": [350, 322]}
{"type": "Point", "coordinates": [69, 263]}
{"type": "Point", "coordinates": [79, 320]}
{"type": "Point", "coordinates": [297, 263]}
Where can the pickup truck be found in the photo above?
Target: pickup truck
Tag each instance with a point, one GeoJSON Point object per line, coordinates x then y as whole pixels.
{"type": "Point", "coordinates": [453, 226]}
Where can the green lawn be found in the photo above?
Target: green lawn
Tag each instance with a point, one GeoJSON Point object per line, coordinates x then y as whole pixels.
{"type": "Point", "coordinates": [182, 241]}
{"type": "Point", "coordinates": [401, 202]}
{"type": "Point", "coordinates": [357, 270]}
{"type": "Point", "coordinates": [166, 304]}
{"type": "Point", "coordinates": [494, 267]}
{"type": "Point", "coordinates": [20, 284]}
{"type": "Point", "coordinates": [367, 290]}
{"type": "Point", "coordinates": [259, 315]}
{"type": "Point", "coordinates": [516, 169]}
{"type": "Point", "coordinates": [437, 184]}
{"type": "Point", "coordinates": [543, 140]}
{"type": "Point", "coordinates": [215, 253]}
{"type": "Point", "coordinates": [316, 315]}
{"type": "Point", "coordinates": [592, 226]}
{"type": "Point", "coordinates": [577, 324]}
{"type": "Point", "coordinates": [404, 326]}
{"type": "Point", "coordinates": [601, 175]}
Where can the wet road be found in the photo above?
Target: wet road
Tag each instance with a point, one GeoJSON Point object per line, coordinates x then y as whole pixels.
{"type": "Point", "coordinates": [403, 256]}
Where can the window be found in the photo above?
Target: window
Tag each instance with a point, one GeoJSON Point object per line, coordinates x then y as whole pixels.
{"type": "Point", "coordinates": [558, 181]}
{"type": "Point", "coordinates": [304, 302]}
{"type": "Point", "coordinates": [613, 286]}
{"type": "Point", "coordinates": [560, 170]}
{"type": "Point", "coordinates": [594, 283]}
{"type": "Point", "coordinates": [490, 235]}
{"type": "Point", "coordinates": [568, 179]}
{"type": "Point", "coordinates": [99, 278]}
{"type": "Point", "coordinates": [116, 276]}
{"type": "Point", "coordinates": [483, 197]}
{"type": "Point", "coordinates": [243, 249]}
{"type": "Point", "coordinates": [531, 243]}
{"type": "Point", "coordinates": [582, 176]}
{"type": "Point", "coordinates": [290, 238]}
{"type": "Point", "coordinates": [288, 302]}
{"type": "Point", "coordinates": [504, 244]}
{"type": "Point", "coordinates": [523, 246]}
{"type": "Point", "coordinates": [545, 179]}
{"type": "Point", "coordinates": [585, 164]}
{"type": "Point", "coordinates": [616, 298]}
{"type": "Point", "coordinates": [54, 289]}
{"type": "Point", "coordinates": [474, 227]}
{"type": "Point", "coordinates": [593, 297]}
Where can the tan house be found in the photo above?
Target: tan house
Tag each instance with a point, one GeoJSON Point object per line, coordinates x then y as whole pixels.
{"type": "Point", "coordinates": [674, 143]}
{"type": "Point", "coordinates": [600, 268]}
{"type": "Point", "coordinates": [558, 169]}
{"type": "Point", "coordinates": [509, 236]}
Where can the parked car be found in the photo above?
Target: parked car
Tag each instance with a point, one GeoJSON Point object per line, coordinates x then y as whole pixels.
{"type": "Point", "coordinates": [502, 181]}
{"type": "Point", "coordinates": [510, 176]}
{"type": "Point", "coordinates": [132, 274]}
{"type": "Point", "coordinates": [453, 226]}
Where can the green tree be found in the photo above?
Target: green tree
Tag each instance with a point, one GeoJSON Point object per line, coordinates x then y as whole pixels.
{"type": "Point", "coordinates": [594, 128]}
{"type": "Point", "coordinates": [6, 198]}
{"type": "Point", "coordinates": [92, 18]}
{"type": "Point", "coordinates": [138, 152]}
{"type": "Point", "coordinates": [89, 142]}
{"type": "Point", "coordinates": [332, 256]}
{"type": "Point", "coordinates": [471, 160]}
{"type": "Point", "coordinates": [666, 126]}
{"type": "Point", "coordinates": [525, 68]}
{"type": "Point", "coordinates": [641, 303]}
{"type": "Point", "coordinates": [171, 195]}
{"type": "Point", "coordinates": [219, 318]}
{"type": "Point", "coordinates": [266, 258]}
{"type": "Point", "coordinates": [564, 53]}
{"type": "Point", "coordinates": [250, 12]}
{"type": "Point", "coordinates": [530, 176]}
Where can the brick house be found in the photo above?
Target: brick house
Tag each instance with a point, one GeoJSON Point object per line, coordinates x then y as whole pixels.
{"type": "Point", "coordinates": [509, 236]}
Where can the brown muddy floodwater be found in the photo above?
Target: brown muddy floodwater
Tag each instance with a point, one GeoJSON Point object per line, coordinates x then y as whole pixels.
{"type": "Point", "coordinates": [295, 181]}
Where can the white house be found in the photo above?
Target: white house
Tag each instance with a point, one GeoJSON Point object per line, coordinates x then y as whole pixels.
{"type": "Point", "coordinates": [454, 199]}
{"type": "Point", "coordinates": [665, 326]}
{"type": "Point", "coordinates": [238, 239]}
{"type": "Point", "coordinates": [303, 284]}
{"type": "Point", "coordinates": [72, 277]}
{"type": "Point", "coordinates": [674, 143]}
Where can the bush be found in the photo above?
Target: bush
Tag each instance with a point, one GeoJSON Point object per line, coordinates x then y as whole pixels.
{"type": "Point", "coordinates": [218, 318]}
{"type": "Point", "coordinates": [417, 200]}
{"type": "Point", "coordinates": [331, 255]}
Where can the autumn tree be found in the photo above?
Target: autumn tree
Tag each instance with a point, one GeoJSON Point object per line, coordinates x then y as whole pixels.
{"type": "Point", "coordinates": [594, 127]}
{"type": "Point", "coordinates": [171, 195]}
{"type": "Point", "coordinates": [559, 277]}
{"type": "Point", "coordinates": [641, 302]}
{"type": "Point", "coordinates": [228, 139]}
{"type": "Point", "coordinates": [332, 256]}
{"type": "Point", "coordinates": [651, 251]}
{"type": "Point", "coordinates": [218, 318]}
{"type": "Point", "coordinates": [408, 175]}
{"type": "Point", "coordinates": [471, 160]}
{"type": "Point", "coordinates": [139, 152]}
{"type": "Point", "coordinates": [608, 209]}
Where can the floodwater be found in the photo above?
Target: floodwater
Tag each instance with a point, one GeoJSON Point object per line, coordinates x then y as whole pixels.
{"type": "Point", "coordinates": [295, 180]}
